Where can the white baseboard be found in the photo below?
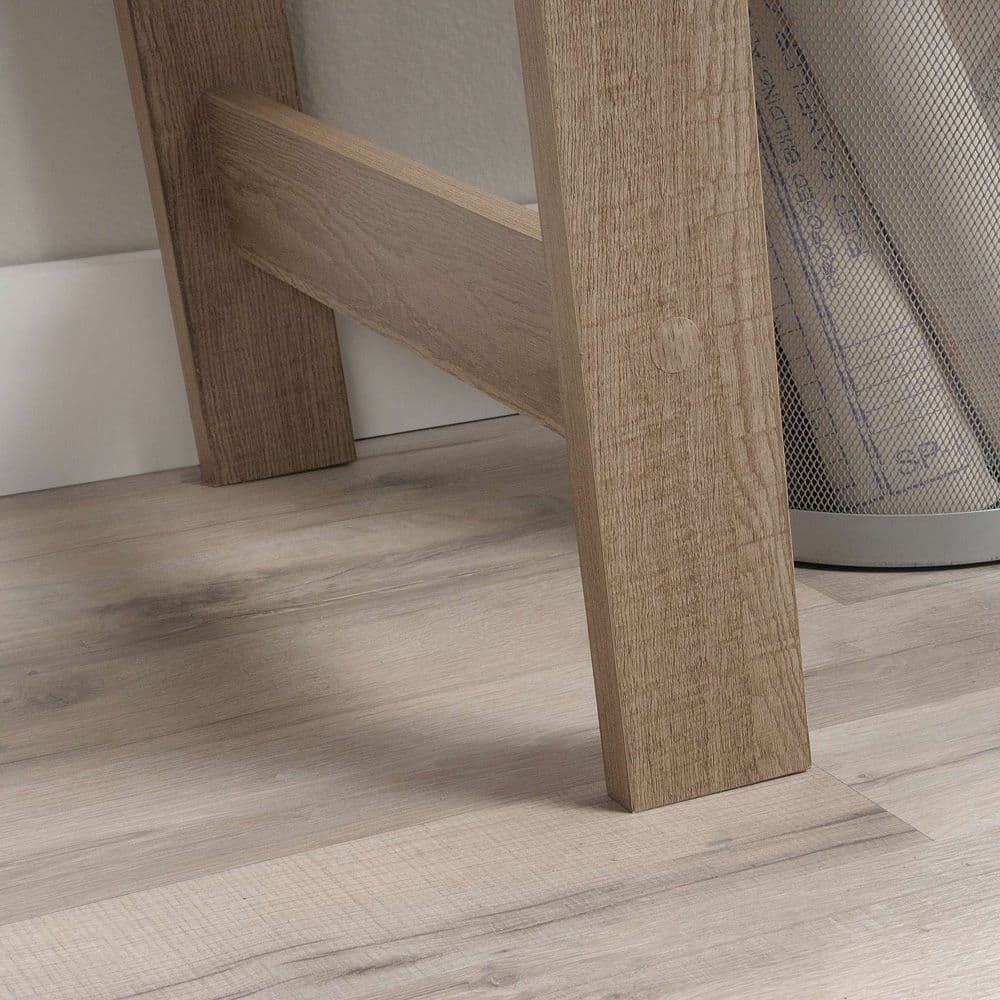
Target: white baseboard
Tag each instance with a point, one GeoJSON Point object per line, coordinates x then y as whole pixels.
{"type": "Point", "coordinates": [91, 387]}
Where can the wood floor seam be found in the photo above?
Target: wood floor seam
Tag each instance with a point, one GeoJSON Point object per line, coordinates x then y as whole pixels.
{"type": "Point", "coordinates": [398, 791]}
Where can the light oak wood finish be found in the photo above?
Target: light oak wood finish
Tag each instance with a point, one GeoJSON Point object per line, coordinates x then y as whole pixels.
{"type": "Point", "coordinates": [656, 313]}
{"type": "Point", "coordinates": [645, 146]}
{"type": "Point", "coordinates": [464, 916]}
{"type": "Point", "coordinates": [145, 629]}
{"type": "Point", "coordinates": [453, 273]}
{"type": "Point", "coordinates": [315, 737]}
{"type": "Point", "coordinates": [261, 361]}
{"type": "Point", "coordinates": [936, 766]}
{"type": "Point", "coordinates": [448, 909]}
{"type": "Point", "coordinates": [849, 586]}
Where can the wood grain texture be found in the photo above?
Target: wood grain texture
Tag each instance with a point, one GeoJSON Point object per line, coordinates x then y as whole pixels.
{"type": "Point", "coordinates": [557, 898]}
{"type": "Point", "coordinates": [265, 639]}
{"type": "Point", "coordinates": [645, 147]}
{"type": "Point", "coordinates": [848, 586]}
{"type": "Point", "coordinates": [261, 361]}
{"type": "Point", "coordinates": [451, 272]}
{"type": "Point", "coordinates": [310, 737]}
{"type": "Point", "coordinates": [934, 764]}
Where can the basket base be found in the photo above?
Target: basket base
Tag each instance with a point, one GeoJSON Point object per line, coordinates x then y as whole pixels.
{"type": "Point", "coordinates": [896, 541]}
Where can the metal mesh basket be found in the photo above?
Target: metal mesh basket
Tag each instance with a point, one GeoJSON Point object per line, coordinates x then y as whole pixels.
{"type": "Point", "coordinates": [880, 144]}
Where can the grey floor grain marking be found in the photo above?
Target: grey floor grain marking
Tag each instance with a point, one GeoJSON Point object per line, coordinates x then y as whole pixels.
{"type": "Point", "coordinates": [333, 735]}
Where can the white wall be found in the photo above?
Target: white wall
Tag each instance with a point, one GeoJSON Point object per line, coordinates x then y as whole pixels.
{"type": "Point", "coordinates": [437, 80]}
{"type": "Point", "coordinates": [71, 179]}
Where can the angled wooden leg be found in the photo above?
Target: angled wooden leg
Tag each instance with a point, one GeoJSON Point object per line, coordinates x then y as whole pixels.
{"type": "Point", "coordinates": [646, 158]}
{"type": "Point", "coordinates": [261, 361]}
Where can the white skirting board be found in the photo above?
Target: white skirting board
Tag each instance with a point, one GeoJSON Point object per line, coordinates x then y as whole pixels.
{"type": "Point", "coordinates": [91, 387]}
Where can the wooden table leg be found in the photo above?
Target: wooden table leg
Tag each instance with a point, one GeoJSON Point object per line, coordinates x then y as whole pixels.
{"type": "Point", "coordinates": [644, 135]}
{"type": "Point", "coordinates": [261, 361]}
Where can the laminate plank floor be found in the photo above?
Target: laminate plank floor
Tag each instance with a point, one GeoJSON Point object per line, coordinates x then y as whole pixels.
{"type": "Point", "coordinates": [333, 735]}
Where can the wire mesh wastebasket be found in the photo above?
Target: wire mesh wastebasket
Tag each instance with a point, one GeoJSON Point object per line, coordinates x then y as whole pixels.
{"type": "Point", "coordinates": [880, 145]}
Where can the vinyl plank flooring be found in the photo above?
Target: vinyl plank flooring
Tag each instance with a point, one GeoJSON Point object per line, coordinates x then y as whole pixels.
{"type": "Point", "coordinates": [360, 653]}
{"type": "Point", "coordinates": [506, 901]}
{"type": "Point", "coordinates": [809, 597]}
{"type": "Point", "coordinates": [82, 610]}
{"type": "Point", "coordinates": [86, 603]}
{"type": "Point", "coordinates": [91, 825]}
{"type": "Point", "coordinates": [393, 473]}
{"type": "Point", "coordinates": [857, 689]}
{"type": "Point", "coordinates": [947, 612]}
{"type": "Point", "coordinates": [905, 696]}
{"type": "Point", "coordinates": [935, 765]}
{"type": "Point", "coordinates": [334, 735]}
{"type": "Point", "coordinates": [847, 586]}
{"type": "Point", "coordinates": [253, 665]}
{"type": "Point", "coordinates": [932, 942]}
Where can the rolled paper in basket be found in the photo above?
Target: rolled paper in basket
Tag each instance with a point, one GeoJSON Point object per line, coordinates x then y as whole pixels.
{"type": "Point", "coordinates": [886, 424]}
{"type": "Point", "coordinates": [975, 32]}
{"type": "Point", "coordinates": [905, 105]}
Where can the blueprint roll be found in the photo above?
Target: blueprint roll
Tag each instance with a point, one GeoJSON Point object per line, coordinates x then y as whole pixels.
{"type": "Point", "coordinates": [906, 107]}
{"type": "Point", "coordinates": [879, 429]}
{"type": "Point", "coordinates": [975, 32]}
